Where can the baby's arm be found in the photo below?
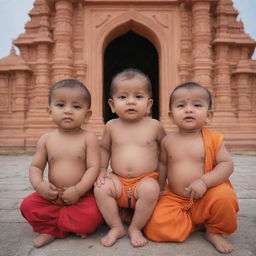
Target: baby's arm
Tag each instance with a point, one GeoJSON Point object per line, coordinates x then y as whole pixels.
{"type": "Point", "coordinates": [36, 170]}
{"type": "Point", "coordinates": [163, 164]}
{"type": "Point", "coordinates": [105, 147]}
{"type": "Point", "coordinates": [223, 169]}
{"type": "Point", "coordinates": [220, 173]}
{"type": "Point", "coordinates": [72, 194]}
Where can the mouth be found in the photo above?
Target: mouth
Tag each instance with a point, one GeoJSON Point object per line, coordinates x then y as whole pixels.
{"type": "Point", "coordinates": [67, 119]}
{"type": "Point", "coordinates": [189, 118]}
{"type": "Point", "coordinates": [130, 110]}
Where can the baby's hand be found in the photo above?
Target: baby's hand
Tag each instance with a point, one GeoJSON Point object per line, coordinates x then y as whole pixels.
{"type": "Point", "coordinates": [197, 188]}
{"type": "Point", "coordinates": [47, 190]}
{"type": "Point", "coordinates": [101, 178]}
{"type": "Point", "coordinates": [70, 195]}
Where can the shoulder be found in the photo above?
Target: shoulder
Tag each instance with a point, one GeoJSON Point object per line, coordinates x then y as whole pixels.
{"type": "Point", "coordinates": [212, 139]}
{"type": "Point", "coordinates": [153, 122]}
{"type": "Point", "coordinates": [211, 134]}
{"type": "Point", "coordinates": [89, 136]}
{"type": "Point", "coordinates": [112, 123]}
{"type": "Point", "coordinates": [44, 138]}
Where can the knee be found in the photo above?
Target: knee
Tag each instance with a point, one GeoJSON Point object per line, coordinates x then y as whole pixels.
{"type": "Point", "coordinates": [104, 189]}
{"type": "Point", "coordinates": [25, 206]}
{"type": "Point", "coordinates": [223, 195]}
{"type": "Point", "coordinates": [148, 189]}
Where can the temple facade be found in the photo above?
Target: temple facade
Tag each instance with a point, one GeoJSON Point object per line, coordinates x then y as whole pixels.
{"type": "Point", "coordinates": [172, 41]}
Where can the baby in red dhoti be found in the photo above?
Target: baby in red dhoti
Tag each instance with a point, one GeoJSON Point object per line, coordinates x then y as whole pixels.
{"type": "Point", "coordinates": [66, 202]}
{"type": "Point", "coordinates": [197, 166]}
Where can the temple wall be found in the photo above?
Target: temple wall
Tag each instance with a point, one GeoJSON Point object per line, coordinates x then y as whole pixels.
{"type": "Point", "coordinates": [199, 41]}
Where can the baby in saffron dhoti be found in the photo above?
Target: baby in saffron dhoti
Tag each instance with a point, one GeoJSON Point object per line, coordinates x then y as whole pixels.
{"type": "Point", "coordinates": [197, 166]}
{"type": "Point", "coordinates": [132, 142]}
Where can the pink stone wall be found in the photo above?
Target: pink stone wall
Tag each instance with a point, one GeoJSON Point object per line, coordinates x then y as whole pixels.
{"type": "Point", "coordinates": [195, 40]}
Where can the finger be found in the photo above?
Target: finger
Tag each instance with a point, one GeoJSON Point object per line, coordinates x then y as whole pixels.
{"type": "Point", "coordinates": [188, 189]}
{"type": "Point", "coordinates": [193, 194]}
{"type": "Point", "coordinates": [102, 180]}
{"type": "Point", "coordinates": [53, 187]}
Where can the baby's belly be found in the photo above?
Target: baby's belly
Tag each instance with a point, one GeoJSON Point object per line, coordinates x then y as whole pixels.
{"type": "Point", "coordinates": [180, 179]}
{"type": "Point", "coordinates": [63, 178]}
{"type": "Point", "coordinates": [132, 164]}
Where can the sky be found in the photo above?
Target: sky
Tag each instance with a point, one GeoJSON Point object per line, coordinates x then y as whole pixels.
{"type": "Point", "coordinates": [14, 16]}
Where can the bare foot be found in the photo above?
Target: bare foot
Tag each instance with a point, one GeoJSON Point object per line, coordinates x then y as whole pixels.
{"type": "Point", "coordinates": [81, 235]}
{"type": "Point", "coordinates": [112, 236]}
{"type": "Point", "coordinates": [137, 238]}
{"type": "Point", "coordinates": [43, 239]}
{"type": "Point", "coordinates": [220, 243]}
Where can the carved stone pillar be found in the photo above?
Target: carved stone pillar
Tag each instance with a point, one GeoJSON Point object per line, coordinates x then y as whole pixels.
{"type": "Point", "coordinates": [19, 93]}
{"type": "Point", "coordinates": [201, 40]}
{"type": "Point", "coordinates": [79, 63]}
{"type": "Point", "coordinates": [185, 45]}
{"type": "Point", "coordinates": [222, 81]}
{"type": "Point", "coordinates": [243, 84]}
{"type": "Point", "coordinates": [63, 54]}
{"type": "Point", "coordinates": [42, 81]}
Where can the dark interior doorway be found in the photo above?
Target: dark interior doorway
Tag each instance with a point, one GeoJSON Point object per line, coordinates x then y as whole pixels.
{"type": "Point", "coordinates": [130, 51]}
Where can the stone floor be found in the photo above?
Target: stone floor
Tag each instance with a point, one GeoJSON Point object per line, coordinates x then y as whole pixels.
{"type": "Point", "coordinates": [16, 235]}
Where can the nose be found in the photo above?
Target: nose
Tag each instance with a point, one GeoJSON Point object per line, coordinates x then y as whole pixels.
{"type": "Point", "coordinates": [130, 100]}
{"type": "Point", "coordinates": [188, 108]}
{"type": "Point", "coordinates": [67, 109]}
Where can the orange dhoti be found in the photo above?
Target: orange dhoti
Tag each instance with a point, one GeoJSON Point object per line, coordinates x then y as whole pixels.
{"type": "Point", "coordinates": [127, 199]}
{"type": "Point", "coordinates": [175, 217]}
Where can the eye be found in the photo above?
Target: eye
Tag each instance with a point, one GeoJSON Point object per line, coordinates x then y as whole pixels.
{"type": "Point", "coordinates": [77, 107]}
{"type": "Point", "coordinates": [180, 105]}
{"type": "Point", "coordinates": [121, 97]}
{"type": "Point", "coordinates": [139, 97]}
{"type": "Point", "coordinates": [60, 105]}
{"type": "Point", "coordinates": [198, 105]}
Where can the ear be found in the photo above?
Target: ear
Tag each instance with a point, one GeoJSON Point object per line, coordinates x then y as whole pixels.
{"type": "Point", "coordinates": [170, 114]}
{"type": "Point", "coordinates": [88, 115]}
{"type": "Point", "coordinates": [49, 110]}
{"type": "Point", "coordinates": [209, 116]}
{"type": "Point", "coordinates": [111, 105]}
{"type": "Point", "coordinates": [150, 104]}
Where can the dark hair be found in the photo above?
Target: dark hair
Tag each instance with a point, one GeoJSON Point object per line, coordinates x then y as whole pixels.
{"type": "Point", "coordinates": [128, 74]}
{"type": "Point", "coordinates": [190, 85]}
{"type": "Point", "coordinates": [70, 83]}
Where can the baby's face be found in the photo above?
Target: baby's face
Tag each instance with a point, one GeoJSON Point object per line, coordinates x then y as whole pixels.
{"type": "Point", "coordinates": [69, 108]}
{"type": "Point", "coordinates": [189, 109]}
{"type": "Point", "coordinates": [131, 100]}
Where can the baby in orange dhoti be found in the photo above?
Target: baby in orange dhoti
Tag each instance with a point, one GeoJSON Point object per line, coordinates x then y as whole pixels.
{"type": "Point", "coordinates": [197, 166]}
{"type": "Point", "coordinates": [131, 143]}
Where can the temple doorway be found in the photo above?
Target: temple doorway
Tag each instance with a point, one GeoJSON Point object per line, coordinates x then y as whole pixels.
{"type": "Point", "coordinates": [130, 51]}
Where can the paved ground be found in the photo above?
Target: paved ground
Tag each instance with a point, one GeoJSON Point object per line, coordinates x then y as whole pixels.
{"type": "Point", "coordinates": [16, 235]}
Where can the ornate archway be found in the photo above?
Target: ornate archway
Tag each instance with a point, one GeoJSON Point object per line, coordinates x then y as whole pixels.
{"type": "Point", "coordinates": [130, 51]}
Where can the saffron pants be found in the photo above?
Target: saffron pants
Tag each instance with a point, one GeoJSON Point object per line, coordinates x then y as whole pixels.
{"type": "Point", "coordinates": [175, 217]}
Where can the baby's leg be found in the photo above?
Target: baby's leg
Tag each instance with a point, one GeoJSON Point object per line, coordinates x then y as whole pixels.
{"type": "Point", "coordinates": [43, 239]}
{"type": "Point", "coordinates": [146, 193]}
{"type": "Point", "coordinates": [106, 200]}
{"type": "Point", "coordinates": [219, 242]}
{"type": "Point", "coordinates": [217, 210]}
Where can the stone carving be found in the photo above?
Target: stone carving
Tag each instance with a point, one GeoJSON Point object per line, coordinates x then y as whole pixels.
{"type": "Point", "coordinates": [100, 19]}
{"type": "Point", "coordinates": [162, 19]}
{"type": "Point", "coordinates": [67, 39]}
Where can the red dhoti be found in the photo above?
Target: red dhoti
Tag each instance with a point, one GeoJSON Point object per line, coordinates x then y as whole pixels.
{"type": "Point", "coordinates": [48, 218]}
